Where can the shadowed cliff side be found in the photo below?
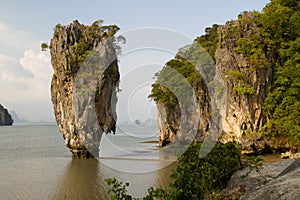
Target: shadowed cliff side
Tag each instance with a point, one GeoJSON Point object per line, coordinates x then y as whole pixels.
{"type": "Point", "coordinates": [182, 98]}
{"type": "Point", "coordinates": [5, 117]}
{"type": "Point", "coordinates": [84, 83]}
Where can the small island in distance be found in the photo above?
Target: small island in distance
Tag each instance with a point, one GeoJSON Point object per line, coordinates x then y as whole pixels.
{"type": "Point", "coordinates": [5, 117]}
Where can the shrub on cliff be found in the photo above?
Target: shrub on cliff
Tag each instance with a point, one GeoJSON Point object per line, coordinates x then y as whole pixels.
{"type": "Point", "coordinates": [175, 78]}
{"type": "Point", "coordinates": [181, 70]}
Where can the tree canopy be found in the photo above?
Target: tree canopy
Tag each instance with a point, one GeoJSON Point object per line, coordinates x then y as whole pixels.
{"type": "Point", "coordinates": [280, 22]}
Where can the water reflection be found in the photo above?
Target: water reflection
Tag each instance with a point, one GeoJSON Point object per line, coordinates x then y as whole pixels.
{"type": "Point", "coordinates": [142, 179]}
{"type": "Point", "coordinates": [35, 164]}
{"type": "Point", "coordinates": [84, 179]}
{"type": "Point", "coordinates": [81, 181]}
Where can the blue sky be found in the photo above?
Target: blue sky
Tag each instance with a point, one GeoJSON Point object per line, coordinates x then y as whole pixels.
{"type": "Point", "coordinates": [26, 71]}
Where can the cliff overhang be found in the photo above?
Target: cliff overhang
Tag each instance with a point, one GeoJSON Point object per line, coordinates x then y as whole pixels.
{"type": "Point", "coordinates": [84, 84]}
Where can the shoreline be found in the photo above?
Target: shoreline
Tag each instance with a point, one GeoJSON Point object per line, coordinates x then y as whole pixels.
{"type": "Point", "coordinates": [150, 142]}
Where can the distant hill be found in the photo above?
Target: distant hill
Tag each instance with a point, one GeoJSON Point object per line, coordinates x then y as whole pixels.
{"type": "Point", "coordinates": [16, 118]}
{"type": "Point", "coordinates": [147, 122]}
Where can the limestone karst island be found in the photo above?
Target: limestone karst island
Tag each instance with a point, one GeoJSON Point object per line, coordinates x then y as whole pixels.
{"type": "Point", "coordinates": [5, 117]}
{"type": "Point", "coordinates": [232, 94]}
{"type": "Point", "coordinates": [84, 84]}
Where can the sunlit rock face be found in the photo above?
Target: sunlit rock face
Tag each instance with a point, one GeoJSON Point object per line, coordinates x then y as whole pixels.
{"type": "Point", "coordinates": [244, 85]}
{"type": "Point", "coordinates": [84, 83]}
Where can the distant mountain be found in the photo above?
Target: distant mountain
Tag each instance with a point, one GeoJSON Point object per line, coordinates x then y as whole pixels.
{"type": "Point", "coordinates": [147, 122]}
{"type": "Point", "coordinates": [16, 118]}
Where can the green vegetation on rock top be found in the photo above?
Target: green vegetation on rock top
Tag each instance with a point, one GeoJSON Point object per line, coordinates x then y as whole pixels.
{"type": "Point", "coordinates": [184, 69]}
{"type": "Point", "coordinates": [273, 42]}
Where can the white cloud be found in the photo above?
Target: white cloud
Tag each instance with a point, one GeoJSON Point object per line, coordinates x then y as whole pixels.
{"type": "Point", "coordinates": [26, 79]}
{"type": "Point", "coordinates": [11, 69]}
{"type": "Point", "coordinates": [25, 74]}
{"type": "Point", "coordinates": [12, 78]}
{"type": "Point", "coordinates": [38, 63]}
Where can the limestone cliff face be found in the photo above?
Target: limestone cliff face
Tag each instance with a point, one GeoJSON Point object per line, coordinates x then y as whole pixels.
{"type": "Point", "coordinates": [84, 83]}
{"type": "Point", "coordinates": [5, 117]}
{"type": "Point", "coordinates": [168, 126]}
{"type": "Point", "coordinates": [184, 123]}
{"type": "Point", "coordinates": [188, 120]}
{"type": "Point", "coordinates": [246, 85]}
{"type": "Point", "coordinates": [245, 82]}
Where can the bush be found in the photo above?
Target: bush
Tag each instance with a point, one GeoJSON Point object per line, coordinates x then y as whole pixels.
{"type": "Point", "coordinates": [243, 90]}
{"type": "Point", "coordinates": [118, 190]}
{"type": "Point", "coordinates": [44, 46]}
{"type": "Point", "coordinates": [194, 177]}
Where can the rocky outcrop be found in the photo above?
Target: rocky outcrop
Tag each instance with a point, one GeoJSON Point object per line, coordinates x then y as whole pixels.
{"type": "Point", "coordinates": [181, 100]}
{"type": "Point", "coordinates": [84, 83]}
{"type": "Point", "coordinates": [290, 155]}
{"type": "Point", "coordinates": [168, 125]}
{"type": "Point", "coordinates": [246, 84]}
{"type": "Point", "coordinates": [279, 180]}
{"type": "Point", "coordinates": [5, 117]}
{"type": "Point", "coordinates": [186, 123]}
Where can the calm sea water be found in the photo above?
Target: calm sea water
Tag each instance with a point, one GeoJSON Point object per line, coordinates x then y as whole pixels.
{"type": "Point", "coordinates": [35, 164]}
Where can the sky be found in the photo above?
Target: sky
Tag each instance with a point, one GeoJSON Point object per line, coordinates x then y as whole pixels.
{"type": "Point", "coordinates": [25, 71]}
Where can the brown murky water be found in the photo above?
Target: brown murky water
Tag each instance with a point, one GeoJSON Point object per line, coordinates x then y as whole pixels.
{"type": "Point", "coordinates": [34, 164]}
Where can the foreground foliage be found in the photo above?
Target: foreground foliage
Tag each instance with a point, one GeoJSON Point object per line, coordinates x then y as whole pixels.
{"type": "Point", "coordinates": [280, 23]}
{"type": "Point", "coordinates": [194, 177]}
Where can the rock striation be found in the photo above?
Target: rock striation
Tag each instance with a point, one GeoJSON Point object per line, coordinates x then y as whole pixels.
{"type": "Point", "coordinates": [84, 84]}
{"type": "Point", "coordinates": [246, 84]}
{"type": "Point", "coordinates": [5, 117]}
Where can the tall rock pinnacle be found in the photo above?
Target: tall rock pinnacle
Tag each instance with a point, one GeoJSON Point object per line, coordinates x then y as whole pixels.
{"type": "Point", "coordinates": [84, 83]}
